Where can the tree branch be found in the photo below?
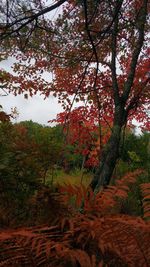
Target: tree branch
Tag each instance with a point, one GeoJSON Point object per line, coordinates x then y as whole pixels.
{"type": "Point", "coordinates": [136, 52]}
{"type": "Point", "coordinates": [29, 19]}
{"type": "Point", "coordinates": [135, 100]}
{"type": "Point", "coordinates": [114, 55]}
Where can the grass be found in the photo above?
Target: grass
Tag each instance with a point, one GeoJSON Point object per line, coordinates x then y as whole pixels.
{"type": "Point", "coordinates": [75, 177]}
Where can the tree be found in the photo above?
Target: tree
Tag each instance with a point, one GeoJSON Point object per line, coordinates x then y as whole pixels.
{"type": "Point", "coordinates": [136, 150]}
{"type": "Point", "coordinates": [96, 50]}
{"type": "Point", "coordinates": [47, 142]}
{"type": "Point", "coordinates": [83, 134]}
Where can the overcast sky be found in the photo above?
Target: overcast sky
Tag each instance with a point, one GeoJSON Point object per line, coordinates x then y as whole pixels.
{"type": "Point", "coordinates": [35, 108]}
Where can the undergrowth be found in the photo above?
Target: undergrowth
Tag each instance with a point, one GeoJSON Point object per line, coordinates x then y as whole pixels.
{"type": "Point", "coordinates": [92, 233]}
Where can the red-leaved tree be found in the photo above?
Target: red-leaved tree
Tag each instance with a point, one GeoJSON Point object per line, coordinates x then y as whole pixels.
{"type": "Point", "coordinates": [97, 52]}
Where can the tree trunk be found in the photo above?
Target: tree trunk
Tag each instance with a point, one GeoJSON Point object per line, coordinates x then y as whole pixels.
{"type": "Point", "coordinates": [108, 160]}
{"type": "Point", "coordinates": [110, 153]}
{"type": "Point", "coordinates": [121, 101]}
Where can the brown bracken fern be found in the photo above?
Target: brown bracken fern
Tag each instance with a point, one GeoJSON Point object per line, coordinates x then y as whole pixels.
{"type": "Point", "coordinates": [93, 236]}
{"type": "Point", "coordinates": [146, 200]}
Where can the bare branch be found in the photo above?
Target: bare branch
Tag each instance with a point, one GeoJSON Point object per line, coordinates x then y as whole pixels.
{"type": "Point", "coordinates": [28, 20]}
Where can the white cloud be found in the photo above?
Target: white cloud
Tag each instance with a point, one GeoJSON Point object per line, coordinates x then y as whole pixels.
{"type": "Point", "coordinates": [35, 108]}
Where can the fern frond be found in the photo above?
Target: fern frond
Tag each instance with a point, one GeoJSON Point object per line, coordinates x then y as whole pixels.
{"type": "Point", "coordinates": [124, 237]}
{"type": "Point", "coordinates": [102, 203]}
{"type": "Point", "coordinates": [145, 188]}
{"type": "Point", "coordinates": [105, 241]}
{"type": "Point", "coordinates": [95, 237]}
{"type": "Point", "coordinates": [11, 254]}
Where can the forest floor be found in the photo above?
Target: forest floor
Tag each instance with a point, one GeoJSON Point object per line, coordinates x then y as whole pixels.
{"type": "Point", "coordinates": [75, 177]}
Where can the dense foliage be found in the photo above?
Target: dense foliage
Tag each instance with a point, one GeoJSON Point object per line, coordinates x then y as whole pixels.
{"type": "Point", "coordinates": [95, 52]}
{"type": "Point", "coordinates": [87, 230]}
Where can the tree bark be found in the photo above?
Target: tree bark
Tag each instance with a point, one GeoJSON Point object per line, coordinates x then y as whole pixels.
{"type": "Point", "coordinates": [110, 153]}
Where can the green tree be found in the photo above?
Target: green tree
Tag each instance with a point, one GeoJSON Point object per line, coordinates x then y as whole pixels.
{"type": "Point", "coordinates": [49, 141]}
{"type": "Point", "coordinates": [136, 150]}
